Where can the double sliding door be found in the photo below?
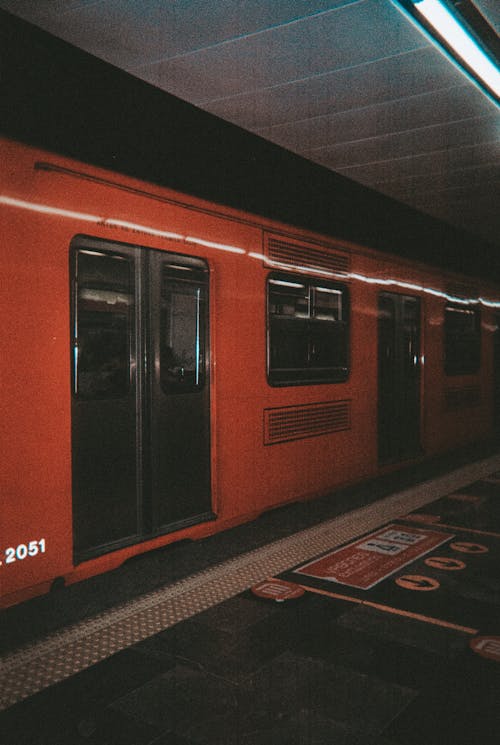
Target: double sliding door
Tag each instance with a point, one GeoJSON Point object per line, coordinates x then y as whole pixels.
{"type": "Point", "coordinates": [140, 394]}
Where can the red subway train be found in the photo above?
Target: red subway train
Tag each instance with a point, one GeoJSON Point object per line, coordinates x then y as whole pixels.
{"type": "Point", "coordinates": [171, 368]}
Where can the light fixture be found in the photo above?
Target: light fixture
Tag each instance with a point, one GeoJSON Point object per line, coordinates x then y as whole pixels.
{"type": "Point", "coordinates": [459, 38]}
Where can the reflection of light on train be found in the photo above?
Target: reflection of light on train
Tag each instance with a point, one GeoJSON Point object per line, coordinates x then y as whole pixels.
{"type": "Point", "coordinates": [162, 384]}
{"type": "Point", "coordinates": [111, 222]}
{"type": "Point", "coordinates": [46, 209]}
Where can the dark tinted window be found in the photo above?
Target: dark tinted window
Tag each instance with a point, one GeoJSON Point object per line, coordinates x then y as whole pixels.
{"type": "Point", "coordinates": [104, 301]}
{"type": "Point", "coordinates": [183, 332]}
{"type": "Point", "coordinates": [462, 339]}
{"type": "Point", "coordinates": [308, 331]}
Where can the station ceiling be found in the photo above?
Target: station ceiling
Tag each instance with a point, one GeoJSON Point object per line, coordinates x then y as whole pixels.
{"type": "Point", "coordinates": [353, 85]}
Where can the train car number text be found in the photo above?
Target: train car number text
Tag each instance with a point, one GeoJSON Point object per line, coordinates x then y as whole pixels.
{"type": "Point", "coordinates": [23, 551]}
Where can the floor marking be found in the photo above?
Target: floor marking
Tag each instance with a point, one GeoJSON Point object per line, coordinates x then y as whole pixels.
{"type": "Point", "coordinates": [29, 670]}
{"type": "Point", "coordinates": [367, 561]}
{"type": "Point", "coordinates": [278, 590]}
{"type": "Point", "coordinates": [445, 562]}
{"type": "Point", "coordinates": [469, 548]}
{"type": "Point", "coordinates": [417, 582]}
{"type": "Point", "coordinates": [486, 646]}
{"type": "Point", "coordinates": [458, 528]}
{"type": "Point", "coordinates": [394, 611]}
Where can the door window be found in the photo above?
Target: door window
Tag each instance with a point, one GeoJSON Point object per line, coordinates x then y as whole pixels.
{"type": "Point", "coordinates": [462, 339]}
{"type": "Point", "coordinates": [103, 325]}
{"type": "Point", "coordinates": [182, 349]}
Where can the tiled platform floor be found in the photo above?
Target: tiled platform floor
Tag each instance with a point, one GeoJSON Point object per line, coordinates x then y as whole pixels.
{"type": "Point", "coordinates": [315, 671]}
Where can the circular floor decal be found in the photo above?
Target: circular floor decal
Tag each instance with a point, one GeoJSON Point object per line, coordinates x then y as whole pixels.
{"type": "Point", "coordinates": [469, 548]}
{"type": "Point", "coordinates": [445, 562]}
{"type": "Point", "coordinates": [278, 590]}
{"type": "Point", "coordinates": [417, 582]}
{"type": "Point", "coordinates": [487, 646]}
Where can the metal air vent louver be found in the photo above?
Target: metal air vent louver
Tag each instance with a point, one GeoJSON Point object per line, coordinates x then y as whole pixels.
{"type": "Point", "coordinates": [308, 420]}
{"type": "Point", "coordinates": [297, 255]}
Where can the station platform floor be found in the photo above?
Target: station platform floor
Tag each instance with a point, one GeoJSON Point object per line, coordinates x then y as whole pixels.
{"type": "Point", "coordinates": [369, 617]}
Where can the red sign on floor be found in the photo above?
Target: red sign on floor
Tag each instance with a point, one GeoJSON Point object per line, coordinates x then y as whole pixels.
{"type": "Point", "coordinates": [367, 561]}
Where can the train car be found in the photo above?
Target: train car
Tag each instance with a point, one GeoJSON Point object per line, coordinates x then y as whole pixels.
{"type": "Point", "coordinates": [198, 326]}
{"type": "Point", "coordinates": [171, 367]}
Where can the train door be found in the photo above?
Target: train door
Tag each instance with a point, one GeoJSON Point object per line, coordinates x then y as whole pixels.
{"type": "Point", "coordinates": [399, 376]}
{"type": "Point", "coordinates": [140, 406]}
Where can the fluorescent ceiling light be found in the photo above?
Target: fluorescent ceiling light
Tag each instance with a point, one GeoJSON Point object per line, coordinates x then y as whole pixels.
{"type": "Point", "coordinates": [460, 41]}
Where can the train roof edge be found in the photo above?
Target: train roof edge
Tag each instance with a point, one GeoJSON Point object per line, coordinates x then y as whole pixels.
{"type": "Point", "coordinates": [63, 99]}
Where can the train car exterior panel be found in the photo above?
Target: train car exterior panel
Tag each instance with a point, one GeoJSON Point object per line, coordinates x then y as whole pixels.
{"type": "Point", "coordinates": [271, 438]}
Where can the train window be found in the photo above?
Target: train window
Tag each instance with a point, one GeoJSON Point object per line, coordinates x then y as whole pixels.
{"type": "Point", "coordinates": [462, 339]}
{"type": "Point", "coordinates": [182, 346]}
{"type": "Point", "coordinates": [104, 301]}
{"type": "Point", "coordinates": [307, 331]}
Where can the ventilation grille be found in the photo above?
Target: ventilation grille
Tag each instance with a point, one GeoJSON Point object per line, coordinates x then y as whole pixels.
{"type": "Point", "coordinates": [462, 398]}
{"type": "Point", "coordinates": [303, 256]}
{"type": "Point", "coordinates": [310, 420]}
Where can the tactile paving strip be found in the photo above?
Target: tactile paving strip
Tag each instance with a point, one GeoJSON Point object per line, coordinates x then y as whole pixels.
{"type": "Point", "coordinates": [66, 653]}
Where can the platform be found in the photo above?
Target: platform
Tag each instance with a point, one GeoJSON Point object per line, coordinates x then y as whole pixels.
{"type": "Point", "coordinates": [176, 648]}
